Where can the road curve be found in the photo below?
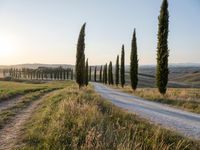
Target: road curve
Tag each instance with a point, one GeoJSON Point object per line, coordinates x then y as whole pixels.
{"type": "Point", "coordinates": [183, 122]}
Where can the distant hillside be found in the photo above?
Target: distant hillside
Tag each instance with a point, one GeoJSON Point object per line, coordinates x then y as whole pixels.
{"type": "Point", "coordinates": [190, 78]}
{"type": "Point", "coordinates": [35, 66]}
{"type": "Point", "coordinates": [150, 68]}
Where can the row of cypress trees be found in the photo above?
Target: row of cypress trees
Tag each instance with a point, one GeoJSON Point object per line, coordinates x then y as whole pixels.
{"type": "Point", "coordinates": [106, 73]}
{"type": "Point", "coordinates": [120, 67]}
{"type": "Point", "coordinates": [41, 73]}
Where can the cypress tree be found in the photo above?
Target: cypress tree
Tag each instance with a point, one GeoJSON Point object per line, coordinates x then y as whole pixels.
{"type": "Point", "coordinates": [103, 74]}
{"type": "Point", "coordinates": [122, 70]}
{"type": "Point", "coordinates": [80, 57]}
{"type": "Point", "coordinates": [134, 62]}
{"type": "Point", "coordinates": [72, 75]}
{"type": "Point", "coordinates": [86, 73]}
{"type": "Point", "coordinates": [110, 74]}
{"type": "Point", "coordinates": [95, 74]}
{"type": "Point", "coordinates": [51, 75]}
{"type": "Point", "coordinates": [106, 74]}
{"type": "Point", "coordinates": [90, 73]}
{"type": "Point", "coordinates": [117, 71]}
{"type": "Point", "coordinates": [68, 73]}
{"type": "Point", "coordinates": [100, 75]}
{"type": "Point", "coordinates": [61, 76]}
{"type": "Point", "coordinates": [64, 74]}
{"type": "Point", "coordinates": [162, 70]}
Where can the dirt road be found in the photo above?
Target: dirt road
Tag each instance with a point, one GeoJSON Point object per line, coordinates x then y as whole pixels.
{"type": "Point", "coordinates": [10, 134]}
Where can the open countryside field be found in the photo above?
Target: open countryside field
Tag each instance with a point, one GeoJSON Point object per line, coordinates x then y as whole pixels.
{"type": "Point", "coordinates": [70, 118]}
{"type": "Point", "coordinates": [179, 77]}
{"type": "Point", "coordinates": [12, 89]}
{"type": "Point", "coordinates": [99, 75]}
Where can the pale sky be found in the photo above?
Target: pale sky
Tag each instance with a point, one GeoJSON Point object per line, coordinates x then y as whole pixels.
{"type": "Point", "coordinates": [46, 31]}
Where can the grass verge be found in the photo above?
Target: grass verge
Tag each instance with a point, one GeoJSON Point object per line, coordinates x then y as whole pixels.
{"type": "Point", "coordinates": [81, 119]}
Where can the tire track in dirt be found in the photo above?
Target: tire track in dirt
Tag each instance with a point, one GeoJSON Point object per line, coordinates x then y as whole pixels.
{"type": "Point", "coordinates": [10, 133]}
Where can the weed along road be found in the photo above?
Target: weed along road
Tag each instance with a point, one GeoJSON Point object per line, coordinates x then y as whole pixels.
{"type": "Point", "coordinates": [183, 122]}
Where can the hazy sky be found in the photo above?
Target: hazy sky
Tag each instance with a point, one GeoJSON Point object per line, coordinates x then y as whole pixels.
{"type": "Point", "coordinates": [46, 31]}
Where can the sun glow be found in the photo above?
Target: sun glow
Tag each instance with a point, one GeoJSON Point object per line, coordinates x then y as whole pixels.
{"type": "Point", "coordinates": [7, 46]}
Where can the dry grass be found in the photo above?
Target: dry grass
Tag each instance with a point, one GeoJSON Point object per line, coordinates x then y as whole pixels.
{"type": "Point", "coordinates": [81, 119]}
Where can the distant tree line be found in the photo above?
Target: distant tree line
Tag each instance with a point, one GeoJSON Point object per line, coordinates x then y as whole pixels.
{"type": "Point", "coordinates": [105, 72]}
{"type": "Point", "coordinates": [41, 73]}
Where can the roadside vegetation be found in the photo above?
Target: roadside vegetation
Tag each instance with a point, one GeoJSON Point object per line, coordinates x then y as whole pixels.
{"type": "Point", "coordinates": [74, 118]}
{"type": "Point", "coordinates": [184, 98]}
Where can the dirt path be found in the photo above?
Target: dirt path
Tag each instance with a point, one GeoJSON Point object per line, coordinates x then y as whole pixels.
{"type": "Point", "coordinates": [183, 122]}
{"type": "Point", "coordinates": [10, 133]}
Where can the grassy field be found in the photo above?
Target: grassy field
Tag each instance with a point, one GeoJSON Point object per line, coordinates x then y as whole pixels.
{"type": "Point", "coordinates": [193, 78]}
{"type": "Point", "coordinates": [179, 77]}
{"type": "Point", "coordinates": [184, 98]}
{"type": "Point", "coordinates": [11, 89]}
{"type": "Point", "coordinates": [80, 119]}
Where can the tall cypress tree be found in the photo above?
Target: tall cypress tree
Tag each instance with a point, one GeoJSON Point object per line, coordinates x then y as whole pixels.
{"type": "Point", "coordinates": [103, 74]}
{"type": "Point", "coordinates": [110, 74]}
{"type": "Point", "coordinates": [162, 70]}
{"type": "Point", "coordinates": [80, 57]}
{"type": "Point", "coordinates": [100, 74]}
{"type": "Point", "coordinates": [64, 74]}
{"type": "Point", "coordinates": [86, 72]}
{"type": "Point", "coordinates": [122, 70]}
{"type": "Point", "coordinates": [134, 62]}
{"type": "Point", "coordinates": [117, 71]}
{"type": "Point", "coordinates": [95, 74]}
{"type": "Point", "coordinates": [106, 74]}
{"type": "Point", "coordinates": [90, 73]}
{"type": "Point", "coordinates": [72, 74]}
{"type": "Point", "coordinates": [68, 73]}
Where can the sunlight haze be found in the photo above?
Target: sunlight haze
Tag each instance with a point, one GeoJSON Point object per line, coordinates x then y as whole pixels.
{"type": "Point", "coordinates": [35, 31]}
